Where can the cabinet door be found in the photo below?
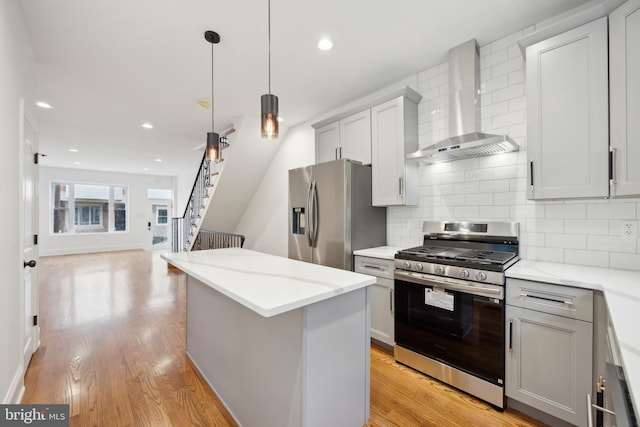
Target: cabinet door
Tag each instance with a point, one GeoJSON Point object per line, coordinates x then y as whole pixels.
{"type": "Point", "coordinates": [567, 114]}
{"type": "Point", "coordinates": [394, 130]}
{"type": "Point", "coordinates": [355, 137]}
{"type": "Point", "coordinates": [382, 311]}
{"type": "Point", "coordinates": [549, 363]}
{"type": "Point", "coordinates": [327, 142]}
{"type": "Point", "coordinates": [624, 59]}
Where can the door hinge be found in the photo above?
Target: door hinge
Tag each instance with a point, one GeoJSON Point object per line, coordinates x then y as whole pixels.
{"type": "Point", "coordinates": [35, 158]}
{"type": "Point", "coordinates": [35, 239]}
{"type": "Point", "coordinates": [35, 320]}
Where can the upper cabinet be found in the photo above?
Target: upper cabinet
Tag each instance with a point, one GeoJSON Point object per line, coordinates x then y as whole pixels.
{"type": "Point", "coordinates": [567, 114]}
{"type": "Point", "coordinates": [394, 134]}
{"type": "Point", "coordinates": [380, 132]}
{"type": "Point", "coordinates": [349, 138]}
{"type": "Point", "coordinates": [624, 66]}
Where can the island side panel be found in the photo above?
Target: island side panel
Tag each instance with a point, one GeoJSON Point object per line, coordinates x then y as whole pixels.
{"type": "Point", "coordinates": [336, 361]}
{"type": "Point", "coordinates": [253, 363]}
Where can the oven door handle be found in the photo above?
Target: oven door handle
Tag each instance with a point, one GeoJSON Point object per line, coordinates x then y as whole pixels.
{"type": "Point", "coordinates": [450, 284]}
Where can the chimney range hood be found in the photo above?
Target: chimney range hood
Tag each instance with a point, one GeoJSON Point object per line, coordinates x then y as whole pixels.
{"type": "Point", "coordinates": [464, 120]}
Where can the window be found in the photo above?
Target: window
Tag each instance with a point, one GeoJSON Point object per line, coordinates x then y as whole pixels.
{"type": "Point", "coordinates": [95, 208]}
{"type": "Point", "coordinates": [162, 216]}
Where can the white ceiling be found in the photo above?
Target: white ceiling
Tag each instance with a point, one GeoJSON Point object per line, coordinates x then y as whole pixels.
{"type": "Point", "coordinates": [109, 65]}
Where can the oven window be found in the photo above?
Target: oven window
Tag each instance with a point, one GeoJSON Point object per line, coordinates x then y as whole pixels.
{"type": "Point", "coordinates": [469, 337]}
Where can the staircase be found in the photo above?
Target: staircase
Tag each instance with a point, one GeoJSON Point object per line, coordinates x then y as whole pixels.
{"type": "Point", "coordinates": [222, 191]}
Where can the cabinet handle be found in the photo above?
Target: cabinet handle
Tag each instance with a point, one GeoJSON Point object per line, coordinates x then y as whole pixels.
{"type": "Point", "coordinates": [337, 153]}
{"type": "Point", "coordinates": [613, 151]}
{"type": "Point", "coordinates": [400, 186]}
{"type": "Point", "coordinates": [510, 335]}
{"type": "Point", "coordinates": [566, 302]}
{"type": "Point", "coordinates": [340, 148]}
{"type": "Point", "coordinates": [391, 295]}
{"type": "Point", "coordinates": [531, 174]}
{"type": "Point", "coordinates": [375, 267]}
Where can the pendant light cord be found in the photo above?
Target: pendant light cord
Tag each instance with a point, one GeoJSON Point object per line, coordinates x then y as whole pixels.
{"type": "Point", "coordinates": [269, 39]}
{"type": "Point", "coordinates": [212, 86]}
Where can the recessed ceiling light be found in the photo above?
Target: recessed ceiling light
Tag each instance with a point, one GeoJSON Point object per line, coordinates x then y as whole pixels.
{"type": "Point", "coordinates": [76, 163]}
{"type": "Point", "coordinates": [73, 150]}
{"type": "Point", "coordinates": [158, 160]}
{"type": "Point", "coordinates": [145, 169]}
{"type": "Point", "coordinates": [43, 104]}
{"type": "Point", "coordinates": [325, 44]}
{"type": "Point", "coordinates": [280, 119]}
{"type": "Point", "coordinates": [147, 125]}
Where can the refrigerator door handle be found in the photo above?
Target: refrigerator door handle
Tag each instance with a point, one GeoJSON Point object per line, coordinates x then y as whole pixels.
{"type": "Point", "coordinates": [314, 211]}
{"type": "Point", "coordinates": [309, 216]}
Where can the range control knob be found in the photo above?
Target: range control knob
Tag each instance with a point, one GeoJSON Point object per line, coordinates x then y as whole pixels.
{"type": "Point", "coordinates": [407, 265]}
{"type": "Point", "coordinates": [419, 267]}
{"type": "Point", "coordinates": [439, 269]}
{"type": "Point", "coordinates": [481, 276]}
{"type": "Point", "coordinates": [464, 274]}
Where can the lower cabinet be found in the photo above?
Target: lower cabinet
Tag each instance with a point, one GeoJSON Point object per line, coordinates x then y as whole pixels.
{"type": "Point", "coordinates": [549, 356]}
{"type": "Point", "coordinates": [381, 293]}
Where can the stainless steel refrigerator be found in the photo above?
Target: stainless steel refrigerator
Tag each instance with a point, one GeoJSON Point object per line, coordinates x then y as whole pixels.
{"type": "Point", "coordinates": [330, 213]}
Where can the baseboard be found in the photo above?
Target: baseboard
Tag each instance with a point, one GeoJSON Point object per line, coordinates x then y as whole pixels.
{"type": "Point", "coordinates": [88, 250]}
{"type": "Point", "coordinates": [16, 390]}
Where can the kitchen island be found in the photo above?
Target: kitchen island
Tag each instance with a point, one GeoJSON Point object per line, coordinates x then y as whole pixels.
{"type": "Point", "coordinates": [281, 342]}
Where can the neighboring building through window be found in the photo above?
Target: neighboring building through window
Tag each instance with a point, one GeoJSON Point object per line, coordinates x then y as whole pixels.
{"type": "Point", "coordinates": [162, 215]}
{"type": "Point", "coordinates": [88, 208]}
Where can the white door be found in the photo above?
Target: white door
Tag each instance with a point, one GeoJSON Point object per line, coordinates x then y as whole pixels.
{"type": "Point", "coordinates": [29, 138]}
{"type": "Point", "coordinates": [159, 224]}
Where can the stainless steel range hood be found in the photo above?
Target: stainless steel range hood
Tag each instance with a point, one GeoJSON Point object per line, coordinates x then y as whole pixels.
{"type": "Point", "coordinates": [464, 115]}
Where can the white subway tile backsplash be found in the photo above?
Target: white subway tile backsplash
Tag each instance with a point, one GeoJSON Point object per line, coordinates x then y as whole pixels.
{"type": "Point", "coordinates": [528, 211]}
{"type": "Point", "coordinates": [518, 104]}
{"type": "Point", "coordinates": [569, 241]}
{"type": "Point", "coordinates": [611, 210]}
{"type": "Point", "coordinates": [438, 80]}
{"type": "Point", "coordinates": [511, 171]}
{"type": "Point", "coordinates": [542, 253]}
{"type": "Point", "coordinates": [478, 174]}
{"type": "Point", "coordinates": [612, 244]}
{"type": "Point", "coordinates": [506, 42]}
{"type": "Point", "coordinates": [516, 77]}
{"type": "Point", "coordinates": [479, 199]}
{"type": "Point", "coordinates": [540, 225]}
{"type": "Point", "coordinates": [625, 261]}
{"type": "Point", "coordinates": [494, 186]}
{"type": "Point", "coordinates": [507, 93]}
{"type": "Point", "coordinates": [492, 110]}
{"type": "Point", "coordinates": [582, 257]}
{"type": "Point", "coordinates": [495, 212]}
{"type": "Point", "coordinates": [507, 67]}
{"type": "Point", "coordinates": [509, 119]}
{"type": "Point", "coordinates": [453, 200]}
{"type": "Point", "coordinates": [466, 187]}
{"type": "Point", "coordinates": [532, 239]}
{"type": "Point", "coordinates": [586, 226]}
{"type": "Point", "coordinates": [466, 212]}
{"type": "Point", "coordinates": [514, 52]}
{"type": "Point", "coordinates": [499, 57]}
{"type": "Point", "coordinates": [494, 84]}
{"type": "Point", "coordinates": [464, 165]}
{"type": "Point", "coordinates": [450, 178]}
{"type": "Point", "coordinates": [566, 211]}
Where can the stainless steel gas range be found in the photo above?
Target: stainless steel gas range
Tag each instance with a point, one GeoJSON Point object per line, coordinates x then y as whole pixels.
{"type": "Point", "coordinates": [449, 304]}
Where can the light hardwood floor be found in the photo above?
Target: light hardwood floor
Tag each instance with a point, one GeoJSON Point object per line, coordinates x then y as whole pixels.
{"type": "Point", "coordinates": [113, 347]}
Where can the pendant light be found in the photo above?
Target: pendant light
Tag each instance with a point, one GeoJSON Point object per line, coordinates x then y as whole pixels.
{"type": "Point", "coordinates": [268, 101]}
{"type": "Point", "coordinates": [213, 150]}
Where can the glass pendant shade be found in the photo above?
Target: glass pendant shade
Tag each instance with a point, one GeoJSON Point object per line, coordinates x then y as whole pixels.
{"type": "Point", "coordinates": [213, 147]}
{"type": "Point", "coordinates": [269, 115]}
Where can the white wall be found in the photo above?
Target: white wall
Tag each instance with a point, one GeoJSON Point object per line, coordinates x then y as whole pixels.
{"type": "Point", "coordinates": [139, 212]}
{"type": "Point", "coordinates": [494, 188]}
{"type": "Point", "coordinates": [17, 80]}
{"type": "Point", "coordinates": [264, 222]}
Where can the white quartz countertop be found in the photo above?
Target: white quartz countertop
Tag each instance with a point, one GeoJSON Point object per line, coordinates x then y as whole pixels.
{"type": "Point", "coordinates": [267, 284]}
{"type": "Point", "coordinates": [621, 290]}
{"type": "Point", "coordinates": [382, 252]}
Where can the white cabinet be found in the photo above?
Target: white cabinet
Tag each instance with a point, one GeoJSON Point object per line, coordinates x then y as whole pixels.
{"type": "Point", "coordinates": [549, 334]}
{"type": "Point", "coordinates": [624, 66]}
{"type": "Point", "coordinates": [567, 114]}
{"type": "Point", "coordinates": [394, 134]}
{"type": "Point", "coordinates": [381, 297]}
{"type": "Point", "coordinates": [349, 138]}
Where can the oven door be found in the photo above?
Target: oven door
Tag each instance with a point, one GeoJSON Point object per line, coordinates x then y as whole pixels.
{"type": "Point", "coordinates": [455, 322]}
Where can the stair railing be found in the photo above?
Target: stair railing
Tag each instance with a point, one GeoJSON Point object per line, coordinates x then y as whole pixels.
{"type": "Point", "coordinates": [185, 228]}
{"type": "Point", "coordinates": [216, 240]}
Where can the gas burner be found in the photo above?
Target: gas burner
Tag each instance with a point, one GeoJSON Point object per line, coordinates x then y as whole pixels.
{"type": "Point", "coordinates": [487, 256]}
